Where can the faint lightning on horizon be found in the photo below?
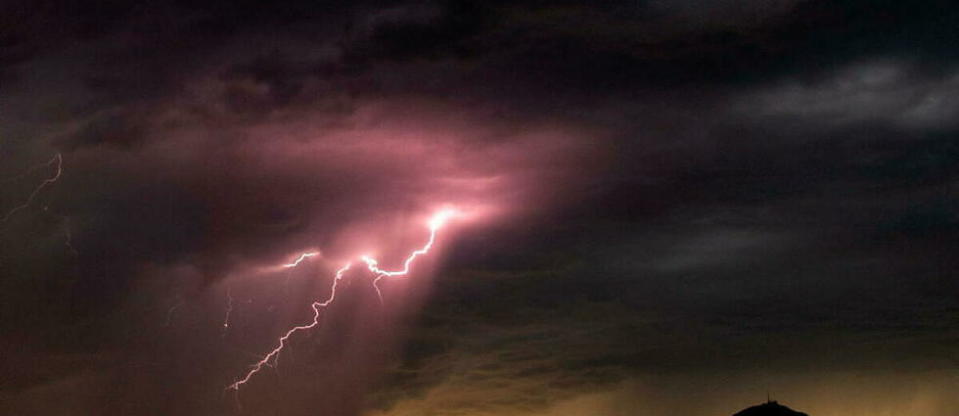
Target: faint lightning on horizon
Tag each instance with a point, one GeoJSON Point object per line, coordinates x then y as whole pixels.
{"type": "Point", "coordinates": [436, 222]}
{"type": "Point", "coordinates": [58, 159]}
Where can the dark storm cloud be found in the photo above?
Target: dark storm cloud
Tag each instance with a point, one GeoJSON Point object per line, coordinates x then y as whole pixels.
{"type": "Point", "coordinates": [694, 185]}
{"type": "Point", "coordinates": [121, 129]}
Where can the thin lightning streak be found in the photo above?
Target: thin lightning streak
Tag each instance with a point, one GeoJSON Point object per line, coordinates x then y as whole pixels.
{"type": "Point", "coordinates": [229, 309]}
{"type": "Point", "coordinates": [435, 223]}
{"type": "Point", "coordinates": [67, 235]}
{"type": "Point", "coordinates": [282, 343]}
{"type": "Point", "coordinates": [59, 161]}
{"type": "Point", "coordinates": [68, 238]}
{"type": "Point", "coordinates": [376, 286]}
{"type": "Point", "coordinates": [30, 170]}
{"type": "Point", "coordinates": [169, 313]}
{"type": "Point", "coordinates": [300, 259]}
{"type": "Point", "coordinates": [293, 265]}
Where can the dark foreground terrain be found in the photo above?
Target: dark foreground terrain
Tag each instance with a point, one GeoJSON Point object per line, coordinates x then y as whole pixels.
{"type": "Point", "coordinates": [770, 408]}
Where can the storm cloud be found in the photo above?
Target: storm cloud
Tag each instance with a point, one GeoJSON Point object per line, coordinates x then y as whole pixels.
{"type": "Point", "coordinates": [673, 199]}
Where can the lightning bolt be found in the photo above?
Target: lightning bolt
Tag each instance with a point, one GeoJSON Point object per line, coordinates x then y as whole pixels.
{"type": "Point", "coordinates": [58, 160]}
{"type": "Point", "coordinates": [436, 222]}
{"type": "Point", "coordinates": [272, 355]}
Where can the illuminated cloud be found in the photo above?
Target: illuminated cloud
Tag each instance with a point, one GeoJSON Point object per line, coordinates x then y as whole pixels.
{"type": "Point", "coordinates": [889, 92]}
{"type": "Point", "coordinates": [655, 190]}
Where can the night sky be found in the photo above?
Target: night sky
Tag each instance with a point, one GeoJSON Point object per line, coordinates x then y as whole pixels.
{"type": "Point", "coordinates": [668, 207]}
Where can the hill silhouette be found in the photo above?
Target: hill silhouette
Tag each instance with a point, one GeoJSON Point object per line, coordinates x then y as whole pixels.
{"type": "Point", "coordinates": [770, 408]}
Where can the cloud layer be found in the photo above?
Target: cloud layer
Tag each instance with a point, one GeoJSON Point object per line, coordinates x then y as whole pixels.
{"type": "Point", "coordinates": [665, 193]}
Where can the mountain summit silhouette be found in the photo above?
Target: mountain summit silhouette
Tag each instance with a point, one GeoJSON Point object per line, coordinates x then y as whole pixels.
{"type": "Point", "coordinates": [770, 408]}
